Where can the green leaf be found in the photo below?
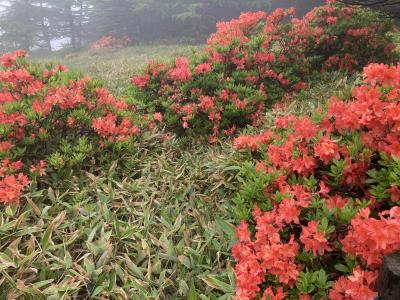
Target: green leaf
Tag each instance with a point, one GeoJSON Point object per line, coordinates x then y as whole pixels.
{"type": "Point", "coordinates": [133, 267]}
{"type": "Point", "coordinates": [192, 291]}
{"type": "Point", "coordinates": [46, 237]}
{"type": "Point", "coordinates": [215, 282]}
{"type": "Point", "coordinates": [97, 290]}
{"type": "Point", "coordinates": [67, 260]}
{"type": "Point", "coordinates": [185, 261]}
{"type": "Point", "coordinates": [226, 227]}
{"type": "Point", "coordinates": [5, 261]}
{"type": "Point", "coordinates": [342, 268]}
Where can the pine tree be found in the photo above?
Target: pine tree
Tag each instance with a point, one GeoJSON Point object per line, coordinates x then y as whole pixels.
{"type": "Point", "coordinates": [17, 26]}
{"type": "Point", "coordinates": [36, 24]}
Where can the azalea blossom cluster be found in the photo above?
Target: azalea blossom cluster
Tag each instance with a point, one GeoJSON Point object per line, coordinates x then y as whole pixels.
{"type": "Point", "coordinates": [342, 30]}
{"type": "Point", "coordinates": [12, 181]}
{"type": "Point", "coordinates": [111, 42]}
{"type": "Point", "coordinates": [359, 285]}
{"type": "Point", "coordinates": [324, 196]}
{"type": "Point", "coordinates": [8, 59]}
{"type": "Point", "coordinates": [257, 60]}
{"type": "Point", "coordinates": [372, 239]}
{"type": "Point", "coordinates": [42, 109]}
{"type": "Point", "coordinates": [106, 127]}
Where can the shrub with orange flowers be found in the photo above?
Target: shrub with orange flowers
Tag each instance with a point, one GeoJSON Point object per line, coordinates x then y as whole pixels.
{"type": "Point", "coordinates": [111, 42]}
{"type": "Point", "coordinates": [257, 60]}
{"type": "Point", "coordinates": [320, 197]}
{"type": "Point", "coordinates": [54, 120]}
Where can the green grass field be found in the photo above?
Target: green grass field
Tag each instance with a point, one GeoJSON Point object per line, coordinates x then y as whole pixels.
{"type": "Point", "coordinates": [116, 66]}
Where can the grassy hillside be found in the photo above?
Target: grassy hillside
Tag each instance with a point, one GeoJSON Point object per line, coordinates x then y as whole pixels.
{"type": "Point", "coordinates": [116, 66]}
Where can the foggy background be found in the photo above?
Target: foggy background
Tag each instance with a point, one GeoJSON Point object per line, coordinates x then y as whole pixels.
{"type": "Point", "coordinates": [43, 26]}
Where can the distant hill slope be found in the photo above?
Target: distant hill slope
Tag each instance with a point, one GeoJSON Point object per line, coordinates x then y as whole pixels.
{"type": "Point", "coordinates": [116, 66]}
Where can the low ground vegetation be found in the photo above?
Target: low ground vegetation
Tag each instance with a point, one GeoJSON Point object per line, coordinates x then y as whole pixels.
{"type": "Point", "coordinates": [110, 197]}
{"type": "Point", "coordinates": [114, 67]}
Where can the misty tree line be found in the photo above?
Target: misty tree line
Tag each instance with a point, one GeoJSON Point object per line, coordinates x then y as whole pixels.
{"type": "Point", "coordinates": [34, 24]}
{"type": "Point", "coordinates": [389, 7]}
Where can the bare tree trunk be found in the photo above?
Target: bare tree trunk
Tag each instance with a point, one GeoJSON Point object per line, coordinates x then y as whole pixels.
{"type": "Point", "coordinates": [45, 30]}
{"type": "Point", "coordinates": [80, 24]}
{"type": "Point", "coordinates": [26, 43]}
{"type": "Point", "coordinates": [71, 26]}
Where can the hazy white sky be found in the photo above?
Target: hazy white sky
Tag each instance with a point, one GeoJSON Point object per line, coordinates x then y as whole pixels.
{"type": "Point", "coordinates": [2, 4]}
